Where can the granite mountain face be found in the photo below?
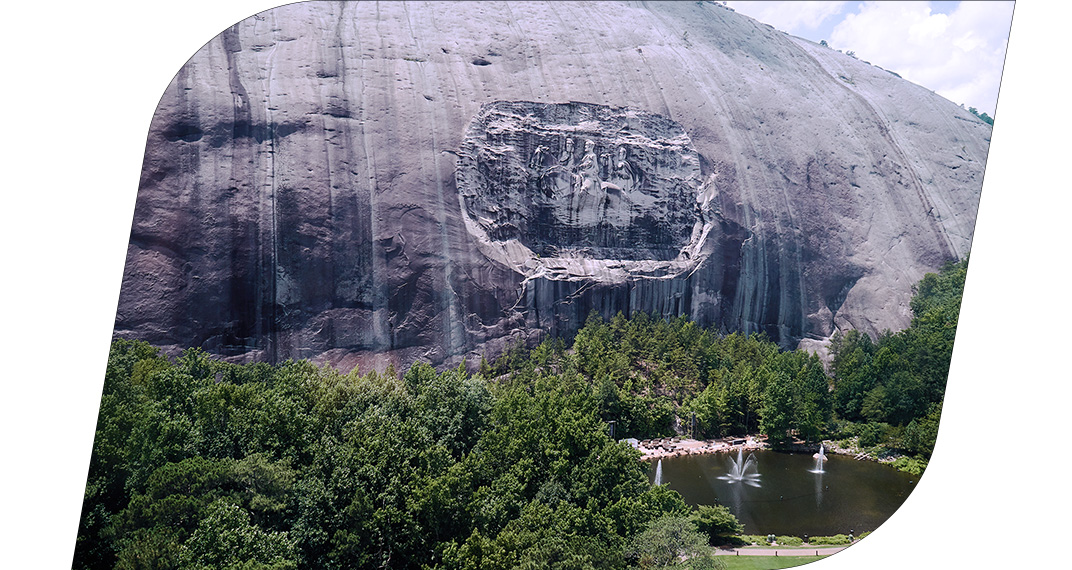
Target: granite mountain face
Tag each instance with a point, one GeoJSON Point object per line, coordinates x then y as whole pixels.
{"type": "Point", "coordinates": [359, 182]}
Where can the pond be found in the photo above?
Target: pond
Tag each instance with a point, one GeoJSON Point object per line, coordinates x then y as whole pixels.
{"type": "Point", "coordinates": [789, 497]}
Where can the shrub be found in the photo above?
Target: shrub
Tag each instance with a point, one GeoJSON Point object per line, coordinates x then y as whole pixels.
{"type": "Point", "coordinates": [717, 522]}
{"type": "Point", "coordinates": [872, 433]}
{"type": "Point", "coordinates": [913, 465]}
{"type": "Point", "coordinates": [837, 539]}
{"type": "Point", "coordinates": [666, 540]}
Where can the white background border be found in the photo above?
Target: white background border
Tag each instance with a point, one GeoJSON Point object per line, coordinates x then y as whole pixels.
{"type": "Point", "coordinates": [81, 83]}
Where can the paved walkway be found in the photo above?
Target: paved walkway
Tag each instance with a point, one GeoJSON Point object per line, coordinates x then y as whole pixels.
{"type": "Point", "coordinates": [794, 551]}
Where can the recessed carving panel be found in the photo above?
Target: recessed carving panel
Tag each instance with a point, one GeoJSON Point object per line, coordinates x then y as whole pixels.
{"type": "Point", "coordinates": [544, 182]}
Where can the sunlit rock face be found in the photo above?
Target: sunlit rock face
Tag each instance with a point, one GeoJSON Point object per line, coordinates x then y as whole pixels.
{"type": "Point", "coordinates": [355, 182]}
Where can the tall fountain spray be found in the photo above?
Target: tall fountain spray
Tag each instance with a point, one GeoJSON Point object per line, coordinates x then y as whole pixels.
{"type": "Point", "coordinates": [743, 470]}
{"type": "Point", "coordinates": [819, 458]}
{"type": "Point", "coordinates": [659, 473]}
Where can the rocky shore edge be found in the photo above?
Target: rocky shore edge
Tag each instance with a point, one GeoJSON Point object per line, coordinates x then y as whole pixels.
{"type": "Point", "coordinates": [658, 448]}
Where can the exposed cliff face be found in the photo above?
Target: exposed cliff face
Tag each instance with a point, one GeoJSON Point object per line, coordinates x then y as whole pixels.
{"type": "Point", "coordinates": [424, 180]}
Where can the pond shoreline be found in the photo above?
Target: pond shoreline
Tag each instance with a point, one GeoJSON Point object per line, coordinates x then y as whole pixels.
{"type": "Point", "coordinates": [658, 448]}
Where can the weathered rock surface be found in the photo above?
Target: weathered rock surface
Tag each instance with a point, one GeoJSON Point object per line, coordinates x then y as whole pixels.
{"type": "Point", "coordinates": [357, 181]}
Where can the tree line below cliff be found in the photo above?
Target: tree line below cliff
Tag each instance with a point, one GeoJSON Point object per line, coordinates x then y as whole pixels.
{"type": "Point", "coordinates": [199, 463]}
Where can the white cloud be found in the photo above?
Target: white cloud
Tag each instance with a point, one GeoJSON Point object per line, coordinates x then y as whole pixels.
{"type": "Point", "coordinates": [791, 17]}
{"type": "Point", "coordinates": [958, 55]}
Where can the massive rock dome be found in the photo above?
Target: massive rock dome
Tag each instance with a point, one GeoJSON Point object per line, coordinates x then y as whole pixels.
{"type": "Point", "coordinates": [356, 181]}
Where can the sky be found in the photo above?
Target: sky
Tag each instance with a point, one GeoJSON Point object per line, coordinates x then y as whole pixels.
{"type": "Point", "coordinates": [956, 49]}
{"type": "Point", "coordinates": [81, 86]}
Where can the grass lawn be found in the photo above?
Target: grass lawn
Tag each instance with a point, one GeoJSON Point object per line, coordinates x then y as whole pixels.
{"type": "Point", "coordinates": [765, 562]}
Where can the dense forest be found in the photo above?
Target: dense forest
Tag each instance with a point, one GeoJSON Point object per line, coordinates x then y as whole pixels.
{"type": "Point", "coordinates": [199, 463]}
{"type": "Point", "coordinates": [891, 390]}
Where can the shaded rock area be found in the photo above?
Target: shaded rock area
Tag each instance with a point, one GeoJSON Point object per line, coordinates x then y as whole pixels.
{"type": "Point", "coordinates": [360, 183]}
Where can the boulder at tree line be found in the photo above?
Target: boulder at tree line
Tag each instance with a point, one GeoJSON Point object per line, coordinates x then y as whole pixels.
{"type": "Point", "coordinates": [359, 182]}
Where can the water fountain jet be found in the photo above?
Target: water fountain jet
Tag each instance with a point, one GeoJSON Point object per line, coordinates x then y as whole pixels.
{"type": "Point", "coordinates": [659, 473]}
{"type": "Point", "coordinates": [819, 458]}
{"type": "Point", "coordinates": [739, 470]}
